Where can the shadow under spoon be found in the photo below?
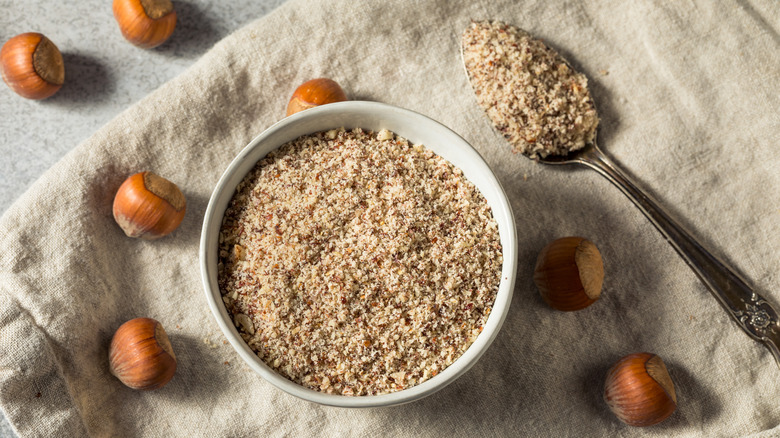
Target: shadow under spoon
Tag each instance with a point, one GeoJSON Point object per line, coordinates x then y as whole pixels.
{"type": "Point", "coordinates": [752, 312]}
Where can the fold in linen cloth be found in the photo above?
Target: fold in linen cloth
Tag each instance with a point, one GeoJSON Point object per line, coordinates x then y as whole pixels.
{"type": "Point", "coordinates": [688, 96]}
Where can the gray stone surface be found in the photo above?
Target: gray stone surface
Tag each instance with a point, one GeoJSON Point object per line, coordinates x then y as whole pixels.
{"type": "Point", "coordinates": [104, 75]}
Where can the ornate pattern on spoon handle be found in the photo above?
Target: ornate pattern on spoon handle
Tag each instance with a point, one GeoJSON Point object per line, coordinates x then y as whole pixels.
{"type": "Point", "coordinates": [752, 312]}
{"type": "Point", "coordinates": [757, 317]}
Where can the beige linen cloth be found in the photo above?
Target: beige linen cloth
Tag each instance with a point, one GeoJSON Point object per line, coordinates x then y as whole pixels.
{"type": "Point", "coordinates": [688, 93]}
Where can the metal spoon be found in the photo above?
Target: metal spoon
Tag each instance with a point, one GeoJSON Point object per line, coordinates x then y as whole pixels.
{"type": "Point", "coordinates": [752, 312]}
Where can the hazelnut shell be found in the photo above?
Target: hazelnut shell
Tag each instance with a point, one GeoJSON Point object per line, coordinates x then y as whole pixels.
{"type": "Point", "coordinates": [569, 273]}
{"type": "Point", "coordinates": [32, 66]}
{"type": "Point", "coordinates": [148, 206]}
{"type": "Point", "coordinates": [315, 92]}
{"type": "Point", "coordinates": [145, 23]}
{"type": "Point", "coordinates": [141, 355]}
{"type": "Point", "coordinates": [639, 390]}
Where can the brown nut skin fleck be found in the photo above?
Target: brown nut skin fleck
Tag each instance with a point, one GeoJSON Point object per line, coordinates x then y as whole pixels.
{"type": "Point", "coordinates": [315, 92]}
{"type": "Point", "coordinates": [148, 206]}
{"type": "Point", "coordinates": [569, 273]}
{"type": "Point", "coordinates": [32, 66]}
{"type": "Point", "coordinates": [145, 23]}
{"type": "Point", "coordinates": [639, 390]}
{"type": "Point", "coordinates": [141, 356]}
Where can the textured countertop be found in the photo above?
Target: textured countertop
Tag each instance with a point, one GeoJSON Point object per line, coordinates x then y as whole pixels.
{"type": "Point", "coordinates": [104, 74]}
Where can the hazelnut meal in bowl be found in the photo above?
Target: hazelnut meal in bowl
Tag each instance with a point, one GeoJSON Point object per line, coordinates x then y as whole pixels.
{"type": "Point", "coordinates": [358, 254]}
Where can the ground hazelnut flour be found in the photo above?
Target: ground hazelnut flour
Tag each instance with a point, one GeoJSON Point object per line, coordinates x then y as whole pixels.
{"type": "Point", "coordinates": [356, 263]}
{"type": "Point", "coordinates": [529, 92]}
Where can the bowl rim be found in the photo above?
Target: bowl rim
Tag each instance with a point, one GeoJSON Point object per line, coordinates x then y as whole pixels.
{"type": "Point", "coordinates": [269, 139]}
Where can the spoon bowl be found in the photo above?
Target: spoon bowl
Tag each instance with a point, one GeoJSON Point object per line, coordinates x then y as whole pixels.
{"type": "Point", "coordinates": [752, 312]}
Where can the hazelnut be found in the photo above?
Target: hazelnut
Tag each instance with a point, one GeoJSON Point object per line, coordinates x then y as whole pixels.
{"type": "Point", "coordinates": [32, 66]}
{"type": "Point", "coordinates": [569, 273]}
{"type": "Point", "coordinates": [314, 93]}
{"type": "Point", "coordinates": [639, 390]}
{"type": "Point", "coordinates": [141, 356]}
{"type": "Point", "coordinates": [145, 23]}
{"type": "Point", "coordinates": [148, 206]}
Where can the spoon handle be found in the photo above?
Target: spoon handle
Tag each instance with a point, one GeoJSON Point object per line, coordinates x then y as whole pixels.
{"type": "Point", "coordinates": [752, 312]}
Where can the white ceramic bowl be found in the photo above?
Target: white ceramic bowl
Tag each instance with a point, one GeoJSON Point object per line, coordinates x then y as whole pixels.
{"type": "Point", "coordinates": [369, 116]}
